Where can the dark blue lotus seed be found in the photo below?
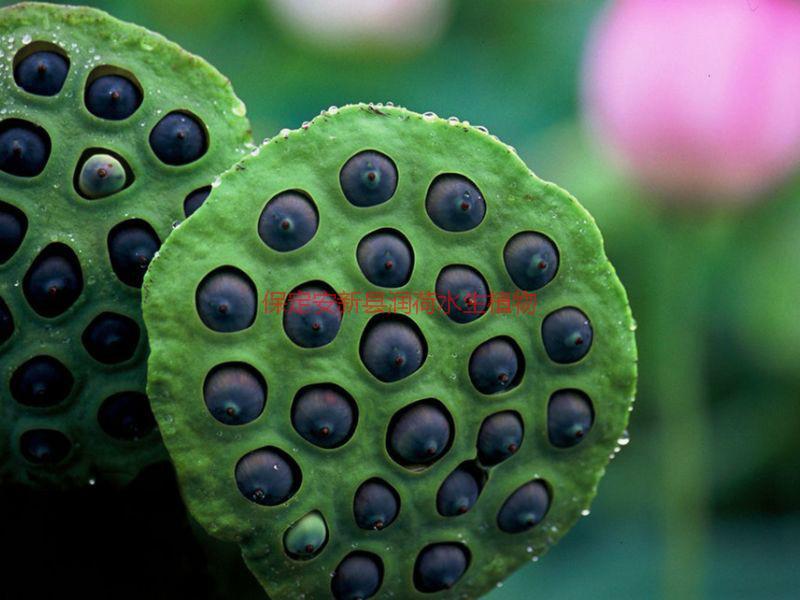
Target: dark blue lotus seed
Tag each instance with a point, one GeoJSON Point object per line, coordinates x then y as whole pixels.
{"type": "Point", "coordinates": [500, 436]}
{"type": "Point", "coordinates": [357, 577]}
{"type": "Point", "coordinates": [419, 434]}
{"type": "Point", "coordinates": [226, 300]}
{"type": "Point", "coordinates": [375, 505]}
{"type": "Point", "coordinates": [439, 567]}
{"type": "Point", "coordinates": [567, 335]}
{"type": "Point", "coordinates": [531, 260]}
{"type": "Point", "coordinates": [126, 416]}
{"type": "Point", "coordinates": [462, 293]}
{"type": "Point", "coordinates": [13, 226]}
{"type": "Point", "coordinates": [42, 73]}
{"type": "Point", "coordinates": [112, 97]}
{"type": "Point", "coordinates": [6, 322]}
{"type": "Point", "coordinates": [368, 178]}
{"type": "Point", "coordinates": [131, 247]}
{"type": "Point", "coordinates": [525, 508]}
{"type": "Point", "coordinates": [312, 315]}
{"type": "Point", "coordinates": [267, 476]}
{"type": "Point", "coordinates": [235, 393]}
{"type": "Point", "coordinates": [195, 200]}
{"type": "Point", "coordinates": [42, 381]}
{"type": "Point", "coordinates": [54, 282]}
{"type": "Point", "coordinates": [325, 415]}
{"type": "Point", "coordinates": [24, 148]}
{"type": "Point", "coordinates": [496, 366]}
{"type": "Point", "coordinates": [392, 348]}
{"type": "Point", "coordinates": [178, 139]}
{"type": "Point", "coordinates": [111, 338]}
{"type": "Point", "coordinates": [454, 203]}
{"type": "Point", "coordinates": [459, 492]}
{"type": "Point", "coordinates": [44, 446]}
{"type": "Point", "coordinates": [385, 258]}
{"type": "Point", "coordinates": [569, 417]}
{"type": "Point", "coordinates": [288, 222]}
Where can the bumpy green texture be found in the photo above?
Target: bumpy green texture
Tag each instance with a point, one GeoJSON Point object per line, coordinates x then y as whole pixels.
{"type": "Point", "coordinates": [184, 350]}
{"type": "Point", "coordinates": [170, 79]}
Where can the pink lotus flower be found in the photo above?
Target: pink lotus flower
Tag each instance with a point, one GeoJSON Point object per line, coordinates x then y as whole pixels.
{"type": "Point", "coordinates": [698, 98]}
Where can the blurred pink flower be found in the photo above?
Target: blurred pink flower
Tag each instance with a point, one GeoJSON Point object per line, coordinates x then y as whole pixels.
{"type": "Point", "coordinates": [698, 98]}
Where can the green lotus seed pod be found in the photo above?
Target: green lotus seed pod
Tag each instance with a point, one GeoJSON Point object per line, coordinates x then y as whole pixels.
{"type": "Point", "coordinates": [412, 391]}
{"type": "Point", "coordinates": [85, 204]}
{"type": "Point", "coordinates": [306, 537]}
{"type": "Point", "coordinates": [101, 175]}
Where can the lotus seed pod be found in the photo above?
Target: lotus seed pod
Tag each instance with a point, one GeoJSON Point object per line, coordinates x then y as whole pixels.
{"type": "Point", "coordinates": [525, 508]}
{"type": "Point", "coordinates": [409, 373]}
{"type": "Point", "coordinates": [499, 437]}
{"type": "Point", "coordinates": [459, 492]}
{"type": "Point", "coordinates": [440, 566]}
{"type": "Point", "coordinates": [85, 202]}
{"type": "Point", "coordinates": [101, 175]}
{"type": "Point", "coordinates": [306, 538]}
{"type": "Point", "coordinates": [324, 415]}
{"type": "Point", "coordinates": [376, 505]}
{"type": "Point", "coordinates": [495, 366]}
{"type": "Point", "coordinates": [41, 73]}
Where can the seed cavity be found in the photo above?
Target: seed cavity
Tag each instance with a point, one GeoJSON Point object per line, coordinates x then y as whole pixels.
{"type": "Point", "coordinates": [226, 300]}
{"type": "Point", "coordinates": [126, 416]}
{"type": "Point", "coordinates": [325, 415]}
{"type": "Point", "coordinates": [54, 281]}
{"type": "Point", "coordinates": [235, 393]}
{"type": "Point", "coordinates": [288, 221]}
{"type": "Point", "coordinates": [454, 203]}
{"type": "Point", "coordinates": [369, 178]}
{"type": "Point", "coordinates": [570, 417]}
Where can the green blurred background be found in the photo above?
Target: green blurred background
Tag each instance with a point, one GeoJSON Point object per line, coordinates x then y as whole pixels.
{"type": "Point", "coordinates": [705, 500]}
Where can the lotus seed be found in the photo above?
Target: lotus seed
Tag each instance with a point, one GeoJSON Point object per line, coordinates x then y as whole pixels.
{"type": "Point", "coordinates": [195, 200]}
{"type": "Point", "coordinates": [178, 139]}
{"type": "Point", "coordinates": [288, 222]}
{"type": "Point", "coordinates": [131, 247]}
{"type": "Point", "coordinates": [392, 348]}
{"type": "Point", "coordinates": [567, 335]}
{"type": "Point", "coordinates": [226, 300]}
{"type": "Point", "coordinates": [44, 446]}
{"type": "Point", "coordinates": [112, 97]}
{"type": "Point", "coordinates": [267, 476]}
{"type": "Point", "coordinates": [100, 176]}
{"type": "Point", "coordinates": [54, 282]}
{"type": "Point", "coordinates": [324, 415]}
{"type": "Point", "coordinates": [126, 416]}
{"type": "Point", "coordinates": [13, 226]}
{"type": "Point", "coordinates": [454, 203]}
{"type": "Point", "coordinates": [569, 417]}
{"type": "Point", "coordinates": [368, 178]}
{"type": "Point", "coordinates": [357, 577]}
{"type": "Point", "coordinates": [496, 366]}
{"type": "Point", "coordinates": [111, 338]}
{"type": "Point", "coordinates": [42, 73]}
{"type": "Point", "coordinates": [41, 381]}
{"type": "Point", "coordinates": [419, 434]}
{"type": "Point", "coordinates": [462, 293]}
{"type": "Point", "coordinates": [6, 322]}
{"type": "Point", "coordinates": [385, 258]}
{"type": "Point", "coordinates": [531, 260]}
{"type": "Point", "coordinates": [440, 566]}
{"type": "Point", "coordinates": [500, 436]}
{"type": "Point", "coordinates": [24, 148]}
{"type": "Point", "coordinates": [306, 537]}
{"type": "Point", "coordinates": [459, 492]}
{"type": "Point", "coordinates": [312, 315]}
{"type": "Point", "coordinates": [376, 505]}
{"type": "Point", "coordinates": [235, 393]}
{"type": "Point", "coordinates": [525, 508]}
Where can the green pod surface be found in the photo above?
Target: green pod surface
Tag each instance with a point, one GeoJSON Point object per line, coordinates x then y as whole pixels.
{"type": "Point", "coordinates": [54, 209]}
{"type": "Point", "coordinates": [206, 450]}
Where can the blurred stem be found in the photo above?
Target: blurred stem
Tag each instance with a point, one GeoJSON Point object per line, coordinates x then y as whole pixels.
{"type": "Point", "coordinates": [682, 266]}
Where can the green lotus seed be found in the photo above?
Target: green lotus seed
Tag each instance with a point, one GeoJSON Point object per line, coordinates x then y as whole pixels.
{"type": "Point", "coordinates": [101, 175]}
